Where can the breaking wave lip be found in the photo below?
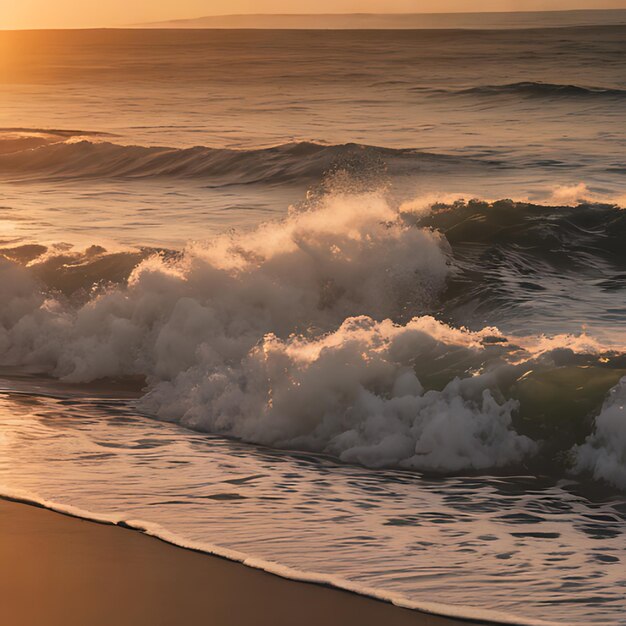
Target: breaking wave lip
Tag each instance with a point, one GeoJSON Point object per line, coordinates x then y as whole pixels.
{"type": "Point", "coordinates": [540, 90]}
{"type": "Point", "coordinates": [51, 155]}
{"type": "Point", "coordinates": [156, 531]}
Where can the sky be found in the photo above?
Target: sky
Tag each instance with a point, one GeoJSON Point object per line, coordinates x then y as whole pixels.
{"type": "Point", "coordinates": [100, 13]}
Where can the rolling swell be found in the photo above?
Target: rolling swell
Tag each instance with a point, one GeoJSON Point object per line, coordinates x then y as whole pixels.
{"type": "Point", "coordinates": [304, 162]}
{"type": "Point", "coordinates": [532, 89]}
{"type": "Point", "coordinates": [518, 261]}
{"type": "Point", "coordinates": [568, 238]}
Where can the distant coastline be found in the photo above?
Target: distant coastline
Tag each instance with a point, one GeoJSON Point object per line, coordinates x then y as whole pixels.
{"type": "Point", "coordinates": [401, 21]}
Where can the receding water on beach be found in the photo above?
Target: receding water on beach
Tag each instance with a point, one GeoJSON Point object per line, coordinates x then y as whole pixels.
{"type": "Point", "coordinates": [347, 305]}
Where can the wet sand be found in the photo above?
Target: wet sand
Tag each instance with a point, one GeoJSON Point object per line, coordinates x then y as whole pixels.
{"type": "Point", "coordinates": [59, 570]}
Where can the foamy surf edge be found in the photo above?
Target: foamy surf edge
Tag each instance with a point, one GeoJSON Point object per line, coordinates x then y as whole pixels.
{"type": "Point", "coordinates": [468, 614]}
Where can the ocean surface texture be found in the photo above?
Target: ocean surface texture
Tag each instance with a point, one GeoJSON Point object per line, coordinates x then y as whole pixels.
{"type": "Point", "coordinates": [346, 305]}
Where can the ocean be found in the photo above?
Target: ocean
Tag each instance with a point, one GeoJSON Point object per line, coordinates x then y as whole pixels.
{"type": "Point", "coordinates": [345, 305]}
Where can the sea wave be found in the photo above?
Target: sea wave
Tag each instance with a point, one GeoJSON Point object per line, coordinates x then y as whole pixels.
{"type": "Point", "coordinates": [513, 254]}
{"type": "Point", "coordinates": [318, 332]}
{"type": "Point", "coordinates": [35, 155]}
{"type": "Point", "coordinates": [543, 90]}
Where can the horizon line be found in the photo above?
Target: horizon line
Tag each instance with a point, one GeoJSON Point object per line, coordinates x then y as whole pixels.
{"type": "Point", "coordinates": [370, 13]}
{"type": "Point", "coordinates": [139, 25]}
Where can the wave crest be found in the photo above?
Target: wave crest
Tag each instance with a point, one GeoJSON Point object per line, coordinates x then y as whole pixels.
{"type": "Point", "coordinates": [55, 156]}
{"type": "Point", "coordinates": [544, 90]}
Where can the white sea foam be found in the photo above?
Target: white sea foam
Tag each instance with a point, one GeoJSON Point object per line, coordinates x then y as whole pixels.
{"type": "Point", "coordinates": [283, 336]}
{"type": "Point", "coordinates": [305, 274]}
{"type": "Point", "coordinates": [355, 394]}
{"type": "Point", "coordinates": [604, 452]}
{"type": "Point", "coordinates": [307, 333]}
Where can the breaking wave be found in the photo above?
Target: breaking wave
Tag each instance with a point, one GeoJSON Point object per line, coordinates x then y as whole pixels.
{"type": "Point", "coordinates": [331, 331]}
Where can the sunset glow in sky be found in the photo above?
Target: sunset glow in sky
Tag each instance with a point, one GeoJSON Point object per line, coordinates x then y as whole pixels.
{"type": "Point", "coordinates": [81, 13]}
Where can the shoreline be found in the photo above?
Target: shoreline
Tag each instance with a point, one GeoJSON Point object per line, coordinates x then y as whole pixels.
{"type": "Point", "coordinates": [129, 578]}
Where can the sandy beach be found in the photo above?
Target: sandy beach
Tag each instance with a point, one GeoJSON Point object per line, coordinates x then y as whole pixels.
{"type": "Point", "coordinates": [59, 570]}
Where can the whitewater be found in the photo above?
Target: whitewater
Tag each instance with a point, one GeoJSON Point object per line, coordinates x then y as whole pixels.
{"type": "Point", "coordinates": [348, 312]}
